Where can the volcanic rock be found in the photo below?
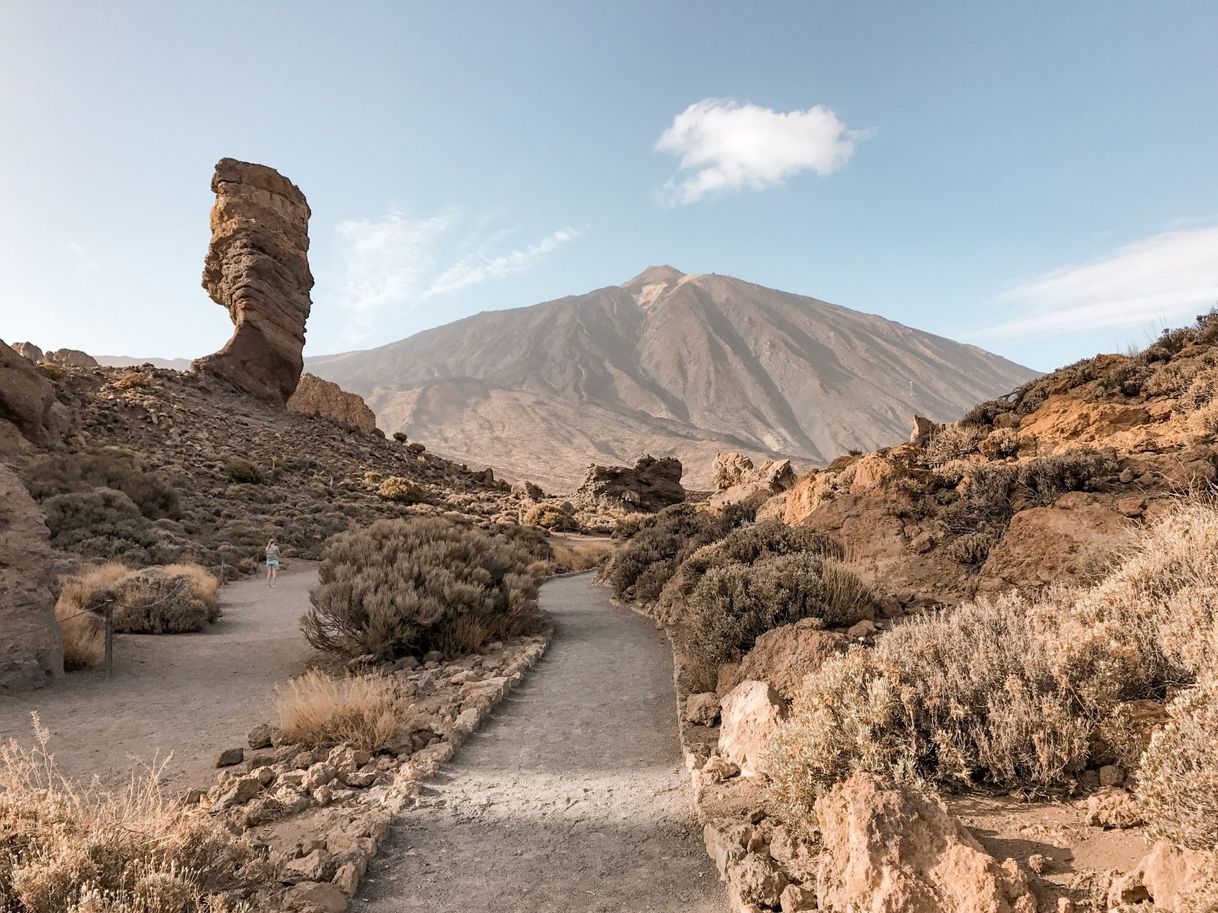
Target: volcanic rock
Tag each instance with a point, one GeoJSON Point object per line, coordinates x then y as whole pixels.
{"type": "Point", "coordinates": [70, 358]}
{"type": "Point", "coordinates": [315, 396]}
{"type": "Point", "coordinates": [31, 647]}
{"type": "Point", "coordinates": [650, 486]}
{"type": "Point", "coordinates": [750, 717]}
{"type": "Point", "coordinates": [257, 267]}
{"type": "Point", "coordinates": [27, 400]}
{"type": "Point", "coordinates": [28, 350]}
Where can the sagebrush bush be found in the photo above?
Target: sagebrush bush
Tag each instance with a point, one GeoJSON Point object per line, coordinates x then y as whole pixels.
{"type": "Point", "coordinates": [1012, 692]}
{"type": "Point", "coordinates": [65, 848]}
{"type": "Point", "coordinates": [952, 442]}
{"type": "Point", "coordinates": [404, 587]}
{"type": "Point", "coordinates": [173, 599]}
{"type": "Point", "coordinates": [121, 470]}
{"type": "Point", "coordinates": [733, 604]}
{"type": "Point", "coordinates": [550, 516]}
{"type": "Point", "coordinates": [401, 490]}
{"type": "Point", "coordinates": [242, 472]}
{"type": "Point", "coordinates": [531, 541]}
{"type": "Point", "coordinates": [363, 711]}
{"type": "Point", "coordinates": [105, 523]}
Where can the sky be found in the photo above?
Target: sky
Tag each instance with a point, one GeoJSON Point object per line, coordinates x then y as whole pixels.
{"type": "Point", "coordinates": [1040, 179]}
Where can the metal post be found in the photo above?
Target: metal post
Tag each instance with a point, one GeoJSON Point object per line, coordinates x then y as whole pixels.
{"type": "Point", "coordinates": [109, 640]}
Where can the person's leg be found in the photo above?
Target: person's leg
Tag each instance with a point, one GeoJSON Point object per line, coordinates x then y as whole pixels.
{"type": "Point", "coordinates": [269, 571]}
{"type": "Point", "coordinates": [274, 575]}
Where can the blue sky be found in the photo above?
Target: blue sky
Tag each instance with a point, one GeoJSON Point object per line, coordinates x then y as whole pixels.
{"type": "Point", "coordinates": [1036, 178]}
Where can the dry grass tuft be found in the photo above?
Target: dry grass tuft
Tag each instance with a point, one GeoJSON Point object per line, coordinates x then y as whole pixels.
{"type": "Point", "coordinates": [66, 848]}
{"type": "Point", "coordinates": [158, 600]}
{"type": "Point", "coordinates": [582, 556]}
{"type": "Point", "coordinates": [364, 711]}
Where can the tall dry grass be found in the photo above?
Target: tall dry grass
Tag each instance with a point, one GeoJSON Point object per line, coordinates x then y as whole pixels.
{"type": "Point", "coordinates": [68, 848]}
{"type": "Point", "coordinates": [364, 711]}
{"type": "Point", "coordinates": [169, 599]}
{"type": "Point", "coordinates": [582, 556]}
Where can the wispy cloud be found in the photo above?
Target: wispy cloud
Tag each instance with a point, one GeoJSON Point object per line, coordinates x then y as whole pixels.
{"type": "Point", "coordinates": [1166, 277]}
{"type": "Point", "coordinates": [725, 146]}
{"type": "Point", "coordinates": [399, 263]}
{"type": "Point", "coordinates": [479, 267]}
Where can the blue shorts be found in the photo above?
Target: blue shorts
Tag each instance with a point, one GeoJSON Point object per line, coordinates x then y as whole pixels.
{"type": "Point", "coordinates": [272, 562]}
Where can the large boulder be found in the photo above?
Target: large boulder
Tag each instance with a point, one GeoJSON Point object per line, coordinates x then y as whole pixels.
{"type": "Point", "coordinates": [70, 358]}
{"type": "Point", "coordinates": [31, 647]}
{"type": "Point", "coordinates": [736, 478]}
{"type": "Point", "coordinates": [649, 486]}
{"type": "Point", "coordinates": [315, 396]}
{"type": "Point", "coordinates": [257, 268]}
{"type": "Point", "coordinates": [27, 400]}
{"type": "Point", "coordinates": [28, 350]}
{"type": "Point", "coordinates": [1058, 544]}
{"type": "Point", "coordinates": [891, 850]}
{"type": "Point", "coordinates": [749, 719]}
{"type": "Point", "coordinates": [783, 656]}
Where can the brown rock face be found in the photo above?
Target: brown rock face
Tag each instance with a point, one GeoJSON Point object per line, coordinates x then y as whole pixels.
{"type": "Point", "coordinates": [27, 400]}
{"type": "Point", "coordinates": [736, 478]}
{"type": "Point", "coordinates": [315, 396]}
{"type": "Point", "coordinates": [650, 486]}
{"type": "Point", "coordinates": [257, 267]}
{"type": "Point", "coordinates": [897, 850]}
{"type": "Point", "coordinates": [750, 717]}
{"type": "Point", "coordinates": [783, 656]}
{"type": "Point", "coordinates": [70, 358]}
{"type": "Point", "coordinates": [31, 647]}
{"type": "Point", "coordinates": [28, 350]}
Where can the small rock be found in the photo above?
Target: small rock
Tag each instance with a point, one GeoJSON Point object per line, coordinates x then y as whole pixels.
{"type": "Point", "coordinates": [864, 628]}
{"type": "Point", "coordinates": [230, 756]}
{"type": "Point", "coordinates": [307, 868]}
{"type": "Point", "coordinates": [239, 792]}
{"type": "Point", "coordinates": [702, 709]}
{"type": "Point", "coordinates": [796, 899]}
{"type": "Point", "coordinates": [260, 736]}
{"type": "Point", "coordinates": [1111, 775]}
{"type": "Point", "coordinates": [1038, 863]}
{"type": "Point", "coordinates": [1089, 779]}
{"type": "Point", "coordinates": [326, 898]}
{"type": "Point", "coordinates": [320, 774]}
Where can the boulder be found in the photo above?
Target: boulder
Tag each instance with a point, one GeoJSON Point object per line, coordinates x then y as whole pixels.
{"type": "Point", "coordinates": [527, 491]}
{"type": "Point", "coordinates": [702, 709]}
{"type": "Point", "coordinates": [70, 358]}
{"type": "Point", "coordinates": [1172, 878]}
{"type": "Point", "coordinates": [749, 719]}
{"type": "Point", "coordinates": [257, 267]}
{"type": "Point", "coordinates": [1053, 545]}
{"type": "Point", "coordinates": [28, 350]}
{"type": "Point", "coordinates": [27, 400]}
{"type": "Point", "coordinates": [649, 486]}
{"type": "Point", "coordinates": [31, 646]}
{"type": "Point", "coordinates": [730, 469]}
{"type": "Point", "coordinates": [736, 479]}
{"type": "Point", "coordinates": [783, 656]}
{"type": "Point", "coordinates": [922, 430]}
{"type": "Point", "coordinates": [891, 850]}
{"type": "Point", "coordinates": [314, 396]}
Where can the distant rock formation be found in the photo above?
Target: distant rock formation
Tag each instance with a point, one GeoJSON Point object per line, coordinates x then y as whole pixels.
{"type": "Point", "coordinates": [28, 350]}
{"type": "Point", "coordinates": [70, 358]}
{"type": "Point", "coordinates": [257, 267]}
{"type": "Point", "coordinates": [28, 403]}
{"type": "Point", "coordinates": [737, 479]}
{"type": "Point", "coordinates": [315, 396]}
{"type": "Point", "coordinates": [649, 486]}
{"type": "Point", "coordinates": [31, 647]}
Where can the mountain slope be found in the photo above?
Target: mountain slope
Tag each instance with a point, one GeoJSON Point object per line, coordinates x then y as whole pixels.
{"type": "Point", "coordinates": [668, 364]}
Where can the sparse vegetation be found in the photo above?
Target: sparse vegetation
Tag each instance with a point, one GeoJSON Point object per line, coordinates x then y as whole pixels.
{"type": "Point", "coordinates": [242, 472]}
{"type": "Point", "coordinates": [952, 442]}
{"type": "Point", "coordinates": [403, 587]}
{"type": "Point", "coordinates": [173, 599]}
{"type": "Point", "coordinates": [551, 517]}
{"type": "Point", "coordinates": [401, 490]}
{"type": "Point", "coordinates": [66, 848]}
{"type": "Point", "coordinates": [363, 711]}
{"type": "Point", "coordinates": [582, 556]}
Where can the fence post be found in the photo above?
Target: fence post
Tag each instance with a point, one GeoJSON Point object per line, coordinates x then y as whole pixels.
{"type": "Point", "coordinates": [109, 639]}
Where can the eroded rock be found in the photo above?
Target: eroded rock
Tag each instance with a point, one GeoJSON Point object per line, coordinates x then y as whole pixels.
{"type": "Point", "coordinates": [257, 267]}
{"type": "Point", "coordinates": [648, 486]}
{"type": "Point", "coordinates": [27, 400]}
{"type": "Point", "coordinates": [750, 717]}
{"type": "Point", "coordinates": [315, 396]}
{"type": "Point", "coordinates": [783, 656]}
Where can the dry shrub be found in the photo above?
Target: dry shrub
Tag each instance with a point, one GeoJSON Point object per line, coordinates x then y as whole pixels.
{"type": "Point", "coordinates": [404, 587]}
{"type": "Point", "coordinates": [550, 516]}
{"type": "Point", "coordinates": [66, 848]}
{"type": "Point", "coordinates": [1178, 778]}
{"type": "Point", "coordinates": [952, 442]}
{"type": "Point", "coordinates": [84, 636]}
{"type": "Point", "coordinates": [582, 556]}
{"type": "Point", "coordinates": [174, 599]}
{"type": "Point", "coordinates": [364, 711]}
{"type": "Point", "coordinates": [1012, 693]}
{"type": "Point", "coordinates": [400, 490]}
{"type": "Point", "coordinates": [108, 467]}
{"type": "Point", "coordinates": [242, 472]}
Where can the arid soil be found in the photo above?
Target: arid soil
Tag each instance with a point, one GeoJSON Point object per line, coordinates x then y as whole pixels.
{"type": "Point", "coordinates": [572, 797]}
{"type": "Point", "coordinates": [188, 694]}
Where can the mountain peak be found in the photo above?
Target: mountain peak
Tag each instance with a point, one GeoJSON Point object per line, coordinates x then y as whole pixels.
{"type": "Point", "coordinates": [652, 282]}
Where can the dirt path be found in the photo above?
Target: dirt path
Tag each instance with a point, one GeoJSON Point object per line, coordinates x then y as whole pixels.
{"type": "Point", "coordinates": [572, 797]}
{"type": "Point", "coordinates": [189, 694]}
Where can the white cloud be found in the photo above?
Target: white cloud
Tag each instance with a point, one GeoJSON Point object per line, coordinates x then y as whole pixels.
{"type": "Point", "coordinates": [724, 146]}
{"type": "Point", "coordinates": [1169, 277]}
{"type": "Point", "coordinates": [479, 267]}
{"type": "Point", "coordinates": [399, 263]}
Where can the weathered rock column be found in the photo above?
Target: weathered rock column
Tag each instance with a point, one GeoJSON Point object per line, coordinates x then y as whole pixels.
{"type": "Point", "coordinates": [31, 647]}
{"type": "Point", "coordinates": [257, 267]}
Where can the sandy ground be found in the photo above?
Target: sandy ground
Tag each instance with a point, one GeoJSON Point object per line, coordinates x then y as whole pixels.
{"type": "Point", "coordinates": [572, 797]}
{"type": "Point", "coordinates": [189, 695]}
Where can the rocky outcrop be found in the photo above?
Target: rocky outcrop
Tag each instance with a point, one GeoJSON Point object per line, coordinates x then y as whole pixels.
{"type": "Point", "coordinates": [28, 402]}
{"type": "Point", "coordinates": [736, 478]}
{"type": "Point", "coordinates": [649, 486]}
{"type": "Point", "coordinates": [28, 350]}
{"type": "Point", "coordinates": [783, 656]}
{"type": "Point", "coordinates": [31, 647]}
{"type": "Point", "coordinates": [315, 396]}
{"type": "Point", "coordinates": [898, 850]}
{"type": "Point", "coordinates": [1174, 879]}
{"type": "Point", "coordinates": [750, 717]}
{"type": "Point", "coordinates": [70, 358]}
{"type": "Point", "coordinates": [257, 267]}
{"type": "Point", "coordinates": [921, 431]}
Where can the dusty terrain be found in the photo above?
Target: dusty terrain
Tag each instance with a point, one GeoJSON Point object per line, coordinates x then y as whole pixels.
{"type": "Point", "coordinates": [189, 695]}
{"type": "Point", "coordinates": [667, 364]}
{"type": "Point", "coordinates": [572, 797]}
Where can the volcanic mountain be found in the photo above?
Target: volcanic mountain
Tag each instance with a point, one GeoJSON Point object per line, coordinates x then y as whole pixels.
{"type": "Point", "coordinates": [666, 364]}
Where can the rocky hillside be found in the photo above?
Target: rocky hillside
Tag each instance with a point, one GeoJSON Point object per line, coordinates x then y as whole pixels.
{"type": "Point", "coordinates": [666, 363]}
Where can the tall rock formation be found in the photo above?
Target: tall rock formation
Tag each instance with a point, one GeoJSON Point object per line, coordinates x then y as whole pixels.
{"type": "Point", "coordinates": [315, 396]}
{"type": "Point", "coordinates": [257, 267]}
{"type": "Point", "coordinates": [31, 647]}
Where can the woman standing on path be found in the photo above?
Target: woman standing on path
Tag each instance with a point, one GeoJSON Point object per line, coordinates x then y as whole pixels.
{"type": "Point", "coordinates": [272, 563]}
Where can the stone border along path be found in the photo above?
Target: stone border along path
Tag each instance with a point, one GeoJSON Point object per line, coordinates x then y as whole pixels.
{"type": "Point", "coordinates": [573, 796]}
{"type": "Point", "coordinates": [182, 694]}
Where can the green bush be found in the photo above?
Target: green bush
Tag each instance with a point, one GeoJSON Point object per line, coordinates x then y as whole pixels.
{"type": "Point", "coordinates": [401, 490]}
{"type": "Point", "coordinates": [531, 541]}
{"type": "Point", "coordinates": [110, 467]}
{"type": "Point", "coordinates": [404, 587]}
{"type": "Point", "coordinates": [733, 604]}
{"type": "Point", "coordinates": [242, 472]}
{"type": "Point", "coordinates": [104, 523]}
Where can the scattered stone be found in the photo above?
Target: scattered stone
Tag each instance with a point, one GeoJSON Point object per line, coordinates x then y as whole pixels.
{"type": "Point", "coordinates": [702, 709]}
{"type": "Point", "coordinates": [261, 736]}
{"type": "Point", "coordinates": [1113, 808]}
{"type": "Point", "coordinates": [1038, 863]}
{"type": "Point", "coordinates": [230, 756]}
{"type": "Point", "coordinates": [313, 896]}
{"type": "Point", "coordinates": [717, 769]}
{"type": "Point", "coordinates": [1111, 775]}
{"type": "Point", "coordinates": [750, 717]}
{"type": "Point", "coordinates": [240, 791]}
{"type": "Point", "coordinates": [859, 630]}
{"type": "Point", "coordinates": [796, 899]}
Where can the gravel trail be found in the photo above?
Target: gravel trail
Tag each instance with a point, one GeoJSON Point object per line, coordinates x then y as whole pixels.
{"type": "Point", "coordinates": [573, 796]}
{"type": "Point", "coordinates": [189, 695]}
